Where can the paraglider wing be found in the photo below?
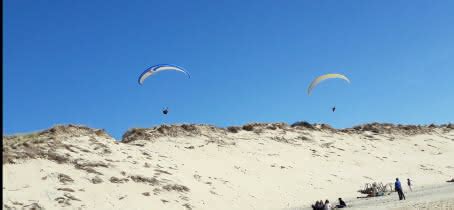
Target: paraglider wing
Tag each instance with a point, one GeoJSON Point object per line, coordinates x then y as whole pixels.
{"type": "Point", "coordinates": [158, 68]}
{"type": "Point", "coordinates": [325, 77]}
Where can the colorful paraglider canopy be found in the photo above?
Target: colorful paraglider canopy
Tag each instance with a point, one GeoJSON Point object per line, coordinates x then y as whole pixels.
{"type": "Point", "coordinates": [323, 78]}
{"type": "Point", "coordinates": [158, 68]}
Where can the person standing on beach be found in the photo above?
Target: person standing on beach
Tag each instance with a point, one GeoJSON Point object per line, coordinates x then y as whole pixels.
{"type": "Point", "coordinates": [398, 188]}
{"type": "Point", "coordinates": [409, 184]}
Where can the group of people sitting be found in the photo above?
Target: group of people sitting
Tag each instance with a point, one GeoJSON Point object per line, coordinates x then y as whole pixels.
{"type": "Point", "coordinates": [319, 205]}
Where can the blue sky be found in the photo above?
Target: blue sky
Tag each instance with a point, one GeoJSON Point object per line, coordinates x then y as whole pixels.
{"type": "Point", "coordinates": [250, 61]}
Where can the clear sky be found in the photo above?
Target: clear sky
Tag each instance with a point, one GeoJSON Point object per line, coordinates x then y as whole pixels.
{"type": "Point", "coordinates": [250, 61]}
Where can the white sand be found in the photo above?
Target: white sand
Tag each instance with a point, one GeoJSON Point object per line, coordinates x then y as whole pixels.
{"type": "Point", "coordinates": [270, 169]}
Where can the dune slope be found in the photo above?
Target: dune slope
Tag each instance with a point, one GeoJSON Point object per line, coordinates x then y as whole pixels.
{"type": "Point", "coordinates": [256, 166]}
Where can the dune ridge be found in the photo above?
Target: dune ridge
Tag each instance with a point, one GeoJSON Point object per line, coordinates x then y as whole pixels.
{"type": "Point", "coordinates": [197, 166]}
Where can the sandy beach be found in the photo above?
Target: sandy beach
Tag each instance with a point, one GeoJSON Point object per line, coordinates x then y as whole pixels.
{"type": "Point", "coordinates": [439, 196]}
{"type": "Point", "coordinates": [259, 166]}
{"type": "Point", "coordinates": [430, 197]}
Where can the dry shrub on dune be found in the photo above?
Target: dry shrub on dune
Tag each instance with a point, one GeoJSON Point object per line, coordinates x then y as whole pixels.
{"type": "Point", "coordinates": [275, 126]}
{"type": "Point", "coordinates": [140, 178]}
{"type": "Point", "coordinates": [380, 128]}
{"type": "Point", "coordinates": [136, 134]}
{"type": "Point", "coordinates": [233, 129]}
{"type": "Point", "coordinates": [259, 127]}
{"type": "Point", "coordinates": [189, 128]}
{"type": "Point", "coordinates": [248, 127]}
{"type": "Point", "coordinates": [302, 124]}
{"type": "Point", "coordinates": [176, 187]}
{"type": "Point", "coordinates": [163, 130]}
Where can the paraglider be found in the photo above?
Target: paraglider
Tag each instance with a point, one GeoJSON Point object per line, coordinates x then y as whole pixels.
{"type": "Point", "coordinates": [325, 77]}
{"type": "Point", "coordinates": [158, 68]}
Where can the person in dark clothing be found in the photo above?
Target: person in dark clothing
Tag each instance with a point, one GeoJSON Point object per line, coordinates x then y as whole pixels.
{"type": "Point", "coordinates": [316, 206]}
{"type": "Point", "coordinates": [165, 111]}
{"type": "Point", "coordinates": [341, 204]}
{"type": "Point", "coordinates": [322, 205]}
{"type": "Point", "coordinates": [334, 108]}
{"type": "Point", "coordinates": [398, 188]}
{"type": "Point", "coordinates": [409, 184]}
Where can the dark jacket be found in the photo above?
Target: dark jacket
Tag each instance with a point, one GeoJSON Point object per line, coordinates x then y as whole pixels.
{"type": "Point", "coordinates": [342, 203]}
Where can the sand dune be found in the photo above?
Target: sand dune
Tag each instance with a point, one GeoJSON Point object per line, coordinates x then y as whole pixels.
{"type": "Point", "coordinates": [424, 197]}
{"type": "Point", "coordinates": [256, 166]}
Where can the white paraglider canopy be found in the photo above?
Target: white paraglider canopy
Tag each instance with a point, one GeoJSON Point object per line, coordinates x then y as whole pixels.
{"type": "Point", "coordinates": [158, 68]}
{"type": "Point", "coordinates": [323, 78]}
